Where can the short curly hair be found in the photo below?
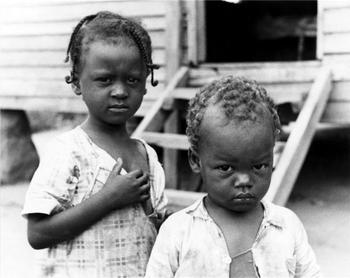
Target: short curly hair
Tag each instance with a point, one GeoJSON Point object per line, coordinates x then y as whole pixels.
{"type": "Point", "coordinates": [239, 98]}
{"type": "Point", "coordinates": [109, 27]}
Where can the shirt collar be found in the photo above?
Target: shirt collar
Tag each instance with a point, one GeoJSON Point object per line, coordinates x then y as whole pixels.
{"type": "Point", "coordinates": [197, 209]}
{"type": "Point", "coordinates": [271, 216]}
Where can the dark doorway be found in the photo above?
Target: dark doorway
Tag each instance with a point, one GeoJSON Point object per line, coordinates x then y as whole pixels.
{"type": "Point", "coordinates": [258, 31]}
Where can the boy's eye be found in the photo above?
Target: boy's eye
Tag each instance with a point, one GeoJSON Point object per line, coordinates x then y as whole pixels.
{"type": "Point", "coordinates": [261, 166]}
{"type": "Point", "coordinates": [225, 168]}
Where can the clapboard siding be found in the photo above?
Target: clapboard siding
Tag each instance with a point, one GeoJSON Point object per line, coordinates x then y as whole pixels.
{"type": "Point", "coordinates": [56, 41]}
{"type": "Point", "coordinates": [47, 73]}
{"type": "Point", "coordinates": [337, 43]}
{"type": "Point", "coordinates": [333, 4]}
{"type": "Point", "coordinates": [334, 27]}
{"type": "Point", "coordinates": [49, 58]}
{"type": "Point", "coordinates": [65, 27]}
{"type": "Point", "coordinates": [77, 10]}
{"type": "Point", "coordinates": [337, 20]}
{"type": "Point", "coordinates": [334, 50]}
{"type": "Point", "coordinates": [44, 94]}
{"type": "Point", "coordinates": [34, 35]}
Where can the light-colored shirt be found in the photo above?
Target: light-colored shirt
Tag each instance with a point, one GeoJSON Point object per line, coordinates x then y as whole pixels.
{"type": "Point", "coordinates": [190, 244]}
{"type": "Point", "coordinates": [118, 245]}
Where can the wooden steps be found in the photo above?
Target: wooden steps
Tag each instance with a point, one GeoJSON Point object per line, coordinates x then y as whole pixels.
{"type": "Point", "coordinates": [307, 87]}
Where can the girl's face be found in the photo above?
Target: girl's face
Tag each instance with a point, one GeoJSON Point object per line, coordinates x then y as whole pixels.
{"type": "Point", "coordinates": [234, 159]}
{"type": "Point", "coordinates": [112, 81]}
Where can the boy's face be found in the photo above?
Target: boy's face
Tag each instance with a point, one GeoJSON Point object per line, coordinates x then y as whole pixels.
{"type": "Point", "coordinates": [234, 159]}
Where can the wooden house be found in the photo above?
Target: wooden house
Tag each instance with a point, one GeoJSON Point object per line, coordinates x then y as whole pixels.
{"type": "Point", "coordinates": [301, 57]}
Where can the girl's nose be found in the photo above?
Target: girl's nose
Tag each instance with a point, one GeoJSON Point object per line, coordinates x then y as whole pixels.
{"type": "Point", "coordinates": [242, 179]}
{"type": "Point", "coordinates": [119, 91]}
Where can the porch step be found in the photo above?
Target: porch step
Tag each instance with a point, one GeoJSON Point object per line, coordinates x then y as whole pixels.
{"type": "Point", "coordinates": [280, 93]}
{"type": "Point", "coordinates": [266, 73]}
{"type": "Point", "coordinates": [166, 140]}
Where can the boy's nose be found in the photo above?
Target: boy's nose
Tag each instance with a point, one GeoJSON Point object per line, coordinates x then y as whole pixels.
{"type": "Point", "coordinates": [119, 91]}
{"type": "Point", "coordinates": [242, 179]}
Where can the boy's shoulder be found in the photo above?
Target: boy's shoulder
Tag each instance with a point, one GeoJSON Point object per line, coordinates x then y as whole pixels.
{"type": "Point", "coordinates": [184, 217]}
{"type": "Point", "coordinates": [282, 215]}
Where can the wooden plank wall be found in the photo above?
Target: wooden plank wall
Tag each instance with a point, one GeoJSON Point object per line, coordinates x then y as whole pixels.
{"type": "Point", "coordinates": [34, 36]}
{"type": "Point", "coordinates": [334, 50]}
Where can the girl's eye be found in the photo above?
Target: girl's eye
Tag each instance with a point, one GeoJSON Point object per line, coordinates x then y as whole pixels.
{"type": "Point", "coordinates": [225, 168]}
{"type": "Point", "coordinates": [132, 80]}
{"type": "Point", "coordinates": [261, 166]}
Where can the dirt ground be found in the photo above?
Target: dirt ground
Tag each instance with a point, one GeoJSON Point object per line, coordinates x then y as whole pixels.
{"type": "Point", "coordinates": [321, 198]}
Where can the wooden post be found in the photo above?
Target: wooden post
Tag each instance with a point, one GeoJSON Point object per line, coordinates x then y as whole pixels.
{"type": "Point", "coordinates": [173, 38]}
{"type": "Point", "coordinates": [196, 31]}
{"type": "Point", "coordinates": [170, 158]}
{"type": "Point", "coordinates": [320, 30]}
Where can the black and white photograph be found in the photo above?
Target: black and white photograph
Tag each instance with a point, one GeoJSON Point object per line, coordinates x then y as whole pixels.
{"type": "Point", "coordinates": [175, 138]}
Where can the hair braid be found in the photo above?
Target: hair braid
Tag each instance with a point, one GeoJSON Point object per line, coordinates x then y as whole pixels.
{"type": "Point", "coordinates": [148, 60]}
{"type": "Point", "coordinates": [71, 78]}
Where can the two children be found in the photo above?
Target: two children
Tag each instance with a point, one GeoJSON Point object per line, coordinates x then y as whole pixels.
{"type": "Point", "coordinates": [232, 126]}
{"type": "Point", "coordinates": [97, 194]}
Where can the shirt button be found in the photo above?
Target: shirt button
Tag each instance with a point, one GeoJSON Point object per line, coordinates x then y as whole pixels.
{"type": "Point", "coordinates": [227, 260]}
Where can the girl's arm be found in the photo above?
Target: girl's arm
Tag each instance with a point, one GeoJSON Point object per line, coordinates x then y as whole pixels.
{"type": "Point", "coordinates": [119, 191]}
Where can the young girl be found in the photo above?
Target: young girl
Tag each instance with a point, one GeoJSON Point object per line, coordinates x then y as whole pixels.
{"type": "Point", "coordinates": [232, 126]}
{"type": "Point", "coordinates": [97, 194]}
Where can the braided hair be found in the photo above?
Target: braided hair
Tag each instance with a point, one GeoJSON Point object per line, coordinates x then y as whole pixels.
{"type": "Point", "coordinates": [240, 99]}
{"type": "Point", "coordinates": [110, 27]}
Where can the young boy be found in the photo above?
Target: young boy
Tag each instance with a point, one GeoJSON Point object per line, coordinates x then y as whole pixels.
{"type": "Point", "coordinates": [232, 232]}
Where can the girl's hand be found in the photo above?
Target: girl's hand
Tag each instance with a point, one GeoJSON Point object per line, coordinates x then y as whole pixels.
{"type": "Point", "coordinates": [123, 190]}
{"type": "Point", "coordinates": [119, 191]}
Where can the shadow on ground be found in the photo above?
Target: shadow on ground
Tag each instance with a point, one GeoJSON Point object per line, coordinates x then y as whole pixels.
{"type": "Point", "coordinates": [321, 198]}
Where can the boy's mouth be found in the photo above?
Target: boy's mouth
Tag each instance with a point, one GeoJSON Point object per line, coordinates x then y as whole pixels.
{"type": "Point", "coordinates": [245, 196]}
{"type": "Point", "coordinates": [118, 107]}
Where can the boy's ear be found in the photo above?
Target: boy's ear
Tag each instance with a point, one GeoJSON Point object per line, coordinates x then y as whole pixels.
{"type": "Point", "coordinates": [194, 161]}
{"type": "Point", "coordinates": [76, 88]}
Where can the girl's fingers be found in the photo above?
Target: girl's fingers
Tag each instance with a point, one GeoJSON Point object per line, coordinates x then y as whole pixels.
{"type": "Point", "coordinates": [144, 179]}
{"type": "Point", "coordinates": [136, 173]}
{"type": "Point", "coordinates": [118, 166]}
{"type": "Point", "coordinates": [144, 197]}
{"type": "Point", "coordinates": [144, 189]}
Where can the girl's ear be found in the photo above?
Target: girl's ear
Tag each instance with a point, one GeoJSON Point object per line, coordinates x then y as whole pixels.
{"type": "Point", "coordinates": [194, 161]}
{"type": "Point", "coordinates": [76, 88]}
